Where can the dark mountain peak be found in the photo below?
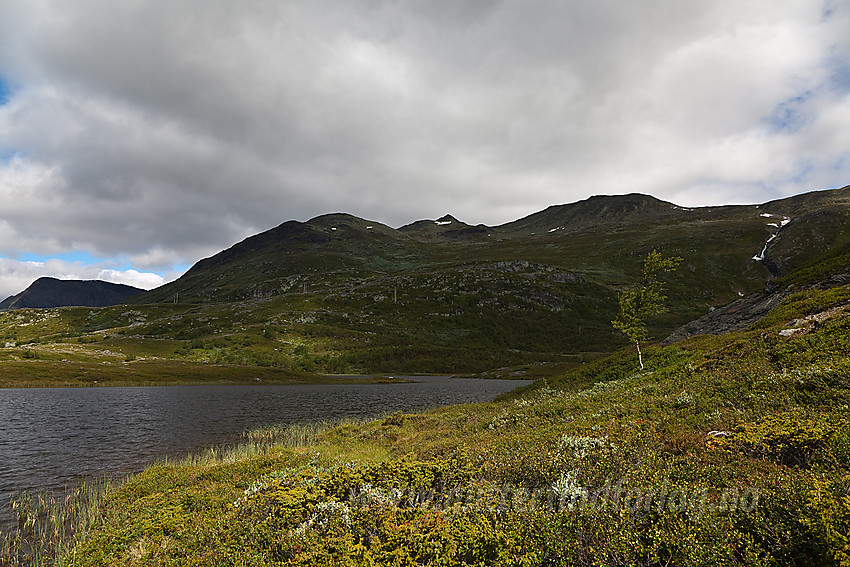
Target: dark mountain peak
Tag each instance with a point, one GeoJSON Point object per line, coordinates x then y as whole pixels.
{"type": "Point", "coordinates": [48, 292]}
{"type": "Point", "coordinates": [343, 221]}
{"type": "Point", "coordinates": [444, 220]}
{"type": "Point", "coordinates": [272, 260]}
{"type": "Point", "coordinates": [615, 205]}
{"type": "Point", "coordinates": [334, 218]}
{"type": "Point", "coordinates": [626, 198]}
{"type": "Point", "coordinates": [447, 227]}
{"type": "Point", "coordinates": [593, 212]}
{"type": "Point", "coordinates": [43, 281]}
{"type": "Point", "coordinates": [288, 235]}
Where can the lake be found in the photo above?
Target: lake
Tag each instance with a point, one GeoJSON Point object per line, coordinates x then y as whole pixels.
{"type": "Point", "coordinates": [52, 438]}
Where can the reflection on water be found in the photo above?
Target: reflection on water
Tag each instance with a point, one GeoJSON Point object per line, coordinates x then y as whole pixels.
{"type": "Point", "coordinates": [55, 437]}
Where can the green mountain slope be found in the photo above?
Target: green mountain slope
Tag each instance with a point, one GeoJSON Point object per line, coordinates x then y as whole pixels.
{"type": "Point", "coordinates": [601, 238]}
{"type": "Point", "coordinates": [727, 450]}
{"type": "Point", "coordinates": [342, 294]}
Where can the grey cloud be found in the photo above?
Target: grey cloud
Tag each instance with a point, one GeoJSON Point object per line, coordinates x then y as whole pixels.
{"type": "Point", "coordinates": [167, 131]}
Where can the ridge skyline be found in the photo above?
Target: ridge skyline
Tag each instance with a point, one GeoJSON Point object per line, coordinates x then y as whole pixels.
{"type": "Point", "coordinates": [86, 266]}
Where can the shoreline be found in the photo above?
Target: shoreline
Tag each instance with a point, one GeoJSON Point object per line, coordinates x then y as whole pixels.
{"type": "Point", "coordinates": [177, 375]}
{"type": "Point", "coordinates": [49, 374]}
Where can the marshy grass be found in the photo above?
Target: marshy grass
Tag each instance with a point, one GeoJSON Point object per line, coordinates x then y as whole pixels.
{"type": "Point", "coordinates": [294, 434]}
{"type": "Point", "coordinates": [258, 441]}
{"type": "Point", "coordinates": [50, 524]}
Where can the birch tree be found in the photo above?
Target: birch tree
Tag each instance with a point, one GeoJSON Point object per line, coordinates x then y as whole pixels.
{"type": "Point", "coordinates": [641, 301]}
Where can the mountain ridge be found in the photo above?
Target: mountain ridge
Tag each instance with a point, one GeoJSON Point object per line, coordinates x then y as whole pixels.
{"type": "Point", "coordinates": [743, 439]}
{"type": "Point", "coordinates": [331, 244]}
{"type": "Point", "coordinates": [47, 292]}
{"type": "Point", "coordinates": [342, 294]}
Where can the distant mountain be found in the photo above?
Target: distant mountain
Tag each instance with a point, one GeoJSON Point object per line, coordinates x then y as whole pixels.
{"type": "Point", "coordinates": [52, 292]}
{"type": "Point", "coordinates": [543, 283]}
{"type": "Point", "coordinates": [343, 294]}
{"type": "Point", "coordinates": [602, 237]}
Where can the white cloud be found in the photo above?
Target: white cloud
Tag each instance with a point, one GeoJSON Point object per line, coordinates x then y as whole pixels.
{"type": "Point", "coordinates": [131, 277]}
{"type": "Point", "coordinates": [164, 132]}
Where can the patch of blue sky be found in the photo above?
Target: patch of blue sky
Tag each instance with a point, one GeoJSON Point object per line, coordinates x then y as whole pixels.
{"type": "Point", "coordinates": [6, 154]}
{"type": "Point", "coordinates": [78, 256]}
{"type": "Point", "coordinates": [804, 168]}
{"type": "Point", "coordinates": [109, 263]}
{"type": "Point", "coordinates": [5, 91]}
{"type": "Point", "coordinates": [795, 112]}
{"type": "Point", "coordinates": [792, 114]}
{"type": "Point", "coordinates": [9, 155]}
{"type": "Point", "coordinates": [839, 73]}
{"type": "Point", "coordinates": [841, 164]}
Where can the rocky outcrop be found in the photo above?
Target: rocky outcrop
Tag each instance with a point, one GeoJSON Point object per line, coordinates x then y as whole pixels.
{"type": "Point", "coordinates": [735, 316]}
{"type": "Point", "coordinates": [743, 312]}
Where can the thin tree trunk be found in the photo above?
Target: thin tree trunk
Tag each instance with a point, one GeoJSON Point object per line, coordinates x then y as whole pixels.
{"type": "Point", "coordinates": [640, 356]}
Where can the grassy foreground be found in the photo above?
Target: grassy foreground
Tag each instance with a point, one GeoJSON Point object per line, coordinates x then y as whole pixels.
{"type": "Point", "coordinates": [731, 450]}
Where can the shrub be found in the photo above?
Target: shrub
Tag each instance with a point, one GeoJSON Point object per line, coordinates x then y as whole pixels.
{"type": "Point", "coordinates": [789, 438]}
{"type": "Point", "coordinates": [828, 517]}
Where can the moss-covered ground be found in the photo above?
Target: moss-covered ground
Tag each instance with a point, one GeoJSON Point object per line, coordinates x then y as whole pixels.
{"type": "Point", "coordinates": [729, 450]}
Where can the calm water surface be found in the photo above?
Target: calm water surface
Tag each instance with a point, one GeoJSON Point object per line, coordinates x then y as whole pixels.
{"type": "Point", "coordinates": [51, 438]}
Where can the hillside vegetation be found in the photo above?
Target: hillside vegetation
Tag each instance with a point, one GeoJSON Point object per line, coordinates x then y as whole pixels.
{"type": "Point", "coordinates": [339, 294]}
{"type": "Point", "coordinates": [725, 450]}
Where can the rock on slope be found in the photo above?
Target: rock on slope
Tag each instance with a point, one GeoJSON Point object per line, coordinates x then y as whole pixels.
{"type": "Point", "coordinates": [742, 313]}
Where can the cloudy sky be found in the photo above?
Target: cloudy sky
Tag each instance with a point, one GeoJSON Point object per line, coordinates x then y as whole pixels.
{"type": "Point", "coordinates": [137, 137]}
